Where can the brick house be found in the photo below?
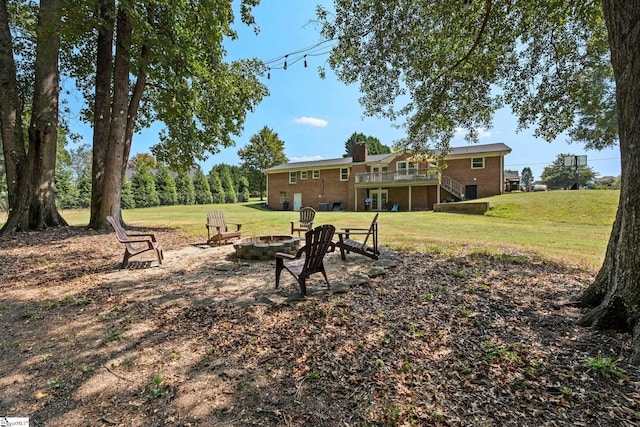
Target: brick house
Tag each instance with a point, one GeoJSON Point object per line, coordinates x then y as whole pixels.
{"type": "Point", "coordinates": [472, 172]}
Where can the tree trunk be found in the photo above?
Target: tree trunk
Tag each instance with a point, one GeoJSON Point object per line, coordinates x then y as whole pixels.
{"type": "Point", "coordinates": [34, 203]}
{"type": "Point", "coordinates": [10, 109]}
{"type": "Point", "coordinates": [116, 133]}
{"type": "Point", "coordinates": [102, 110]}
{"type": "Point", "coordinates": [615, 293]}
{"type": "Point", "coordinates": [114, 159]}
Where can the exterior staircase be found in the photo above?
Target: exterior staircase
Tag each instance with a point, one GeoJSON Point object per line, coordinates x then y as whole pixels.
{"type": "Point", "coordinates": [452, 186]}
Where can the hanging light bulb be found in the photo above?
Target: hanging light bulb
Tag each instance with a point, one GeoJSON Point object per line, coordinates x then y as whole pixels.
{"type": "Point", "coordinates": [285, 61]}
{"type": "Point", "coordinates": [305, 61]}
{"type": "Point", "coordinates": [269, 74]}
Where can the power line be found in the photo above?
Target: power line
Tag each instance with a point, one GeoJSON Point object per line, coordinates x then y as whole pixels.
{"type": "Point", "coordinates": [282, 62]}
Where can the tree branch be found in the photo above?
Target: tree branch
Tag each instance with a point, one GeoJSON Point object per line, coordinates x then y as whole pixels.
{"type": "Point", "coordinates": [485, 21]}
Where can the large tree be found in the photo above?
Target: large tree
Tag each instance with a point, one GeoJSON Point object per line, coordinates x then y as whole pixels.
{"type": "Point", "coordinates": [374, 146]}
{"type": "Point", "coordinates": [160, 61]}
{"type": "Point", "coordinates": [265, 150]}
{"type": "Point", "coordinates": [559, 176]}
{"type": "Point", "coordinates": [30, 164]}
{"type": "Point", "coordinates": [562, 66]}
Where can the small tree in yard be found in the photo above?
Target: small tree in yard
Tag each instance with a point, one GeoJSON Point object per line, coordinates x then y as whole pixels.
{"type": "Point", "coordinates": [264, 150]}
{"type": "Point", "coordinates": [166, 187]}
{"type": "Point", "coordinates": [184, 188]}
{"type": "Point", "coordinates": [201, 189]}
{"type": "Point", "coordinates": [66, 192]}
{"type": "Point", "coordinates": [243, 188]}
{"type": "Point", "coordinates": [144, 188]}
{"type": "Point", "coordinates": [559, 176]}
{"type": "Point", "coordinates": [127, 201]}
{"type": "Point", "coordinates": [84, 190]}
{"type": "Point", "coordinates": [215, 183]}
{"type": "Point", "coordinates": [230, 192]}
{"type": "Point", "coordinates": [526, 178]}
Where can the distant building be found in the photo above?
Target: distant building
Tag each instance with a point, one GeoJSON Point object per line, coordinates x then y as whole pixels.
{"type": "Point", "coordinates": [387, 179]}
{"type": "Point", "coordinates": [511, 181]}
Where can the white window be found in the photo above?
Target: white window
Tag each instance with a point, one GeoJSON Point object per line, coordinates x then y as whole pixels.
{"type": "Point", "coordinates": [477, 163]}
{"type": "Point", "coordinates": [344, 174]}
{"type": "Point", "coordinates": [304, 174]}
{"type": "Point", "coordinates": [292, 178]}
{"type": "Point", "coordinates": [378, 173]}
{"type": "Point", "coordinates": [404, 167]}
{"type": "Point", "coordinates": [316, 174]}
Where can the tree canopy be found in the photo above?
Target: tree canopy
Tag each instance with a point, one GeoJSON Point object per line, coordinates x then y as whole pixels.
{"type": "Point", "coordinates": [265, 150]}
{"type": "Point", "coordinates": [559, 176]}
{"type": "Point", "coordinates": [562, 67]}
{"type": "Point", "coordinates": [374, 146]}
{"type": "Point", "coordinates": [526, 178]}
{"type": "Point", "coordinates": [449, 65]}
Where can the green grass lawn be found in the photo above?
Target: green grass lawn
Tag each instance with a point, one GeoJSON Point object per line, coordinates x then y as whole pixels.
{"type": "Point", "coordinates": [565, 226]}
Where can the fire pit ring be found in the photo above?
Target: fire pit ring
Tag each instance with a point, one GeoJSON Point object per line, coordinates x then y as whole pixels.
{"type": "Point", "coordinates": [264, 248]}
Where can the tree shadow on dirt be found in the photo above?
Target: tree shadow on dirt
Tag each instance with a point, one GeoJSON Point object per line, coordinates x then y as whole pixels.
{"type": "Point", "coordinates": [475, 340]}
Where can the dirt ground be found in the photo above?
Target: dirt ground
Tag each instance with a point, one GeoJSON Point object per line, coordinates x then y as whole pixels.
{"type": "Point", "coordinates": [466, 339]}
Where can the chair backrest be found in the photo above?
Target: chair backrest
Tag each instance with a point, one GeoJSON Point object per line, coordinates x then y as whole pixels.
{"type": "Point", "coordinates": [120, 233]}
{"type": "Point", "coordinates": [373, 231]}
{"type": "Point", "coordinates": [318, 241]}
{"type": "Point", "coordinates": [307, 215]}
{"type": "Point", "coordinates": [216, 219]}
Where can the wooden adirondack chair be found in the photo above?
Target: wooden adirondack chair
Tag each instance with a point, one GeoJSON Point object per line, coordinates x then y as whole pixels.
{"type": "Point", "coordinates": [309, 258]}
{"type": "Point", "coordinates": [218, 229]}
{"type": "Point", "coordinates": [305, 223]}
{"type": "Point", "coordinates": [364, 246]}
{"type": "Point", "coordinates": [135, 244]}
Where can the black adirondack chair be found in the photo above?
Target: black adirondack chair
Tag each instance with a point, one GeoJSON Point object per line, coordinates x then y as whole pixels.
{"type": "Point", "coordinates": [309, 258]}
{"type": "Point", "coordinates": [363, 245]}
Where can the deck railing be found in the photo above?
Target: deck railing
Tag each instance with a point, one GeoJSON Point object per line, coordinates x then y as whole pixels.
{"type": "Point", "coordinates": [452, 186]}
{"type": "Point", "coordinates": [395, 176]}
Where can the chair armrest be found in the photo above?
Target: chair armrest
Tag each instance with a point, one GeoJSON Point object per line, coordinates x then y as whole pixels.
{"type": "Point", "coordinates": [285, 255]}
{"type": "Point", "coordinates": [349, 229]}
{"type": "Point", "coordinates": [150, 235]}
{"type": "Point", "coordinates": [238, 225]}
{"type": "Point", "coordinates": [351, 233]}
{"type": "Point", "coordinates": [137, 241]}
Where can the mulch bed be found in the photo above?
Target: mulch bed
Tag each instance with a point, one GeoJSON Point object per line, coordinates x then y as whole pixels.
{"type": "Point", "coordinates": [471, 339]}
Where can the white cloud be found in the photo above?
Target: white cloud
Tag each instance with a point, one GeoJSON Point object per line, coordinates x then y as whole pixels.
{"type": "Point", "coordinates": [311, 121]}
{"type": "Point", "coordinates": [482, 133]}
{"type": "Point", "coordinates": [305, 159]}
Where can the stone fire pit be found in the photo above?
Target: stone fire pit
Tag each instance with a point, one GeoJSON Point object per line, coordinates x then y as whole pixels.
{"type": "Point", "coordinates": [264, 248]}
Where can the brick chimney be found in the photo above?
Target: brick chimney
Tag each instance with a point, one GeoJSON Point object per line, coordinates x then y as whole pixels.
{"type": "Point", "coordinates": [359, 152]}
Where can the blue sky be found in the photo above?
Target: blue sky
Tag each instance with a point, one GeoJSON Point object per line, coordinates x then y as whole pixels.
{"type": "Point", "coordinates": [314, 117]}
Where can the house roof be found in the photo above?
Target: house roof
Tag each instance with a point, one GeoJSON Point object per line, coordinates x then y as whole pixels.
{"type": "Point", "coordinates": [386, 158]}
{"type": "Point", "coordinates": [511, 174]}
{"type": "Point", "coordinates": [497, 147]}
{"type": "Point", "coordinates": [325, 163]}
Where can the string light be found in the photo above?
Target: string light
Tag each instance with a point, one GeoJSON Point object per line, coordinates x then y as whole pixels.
{"type": "Point", "coordinates": [284, 62]}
